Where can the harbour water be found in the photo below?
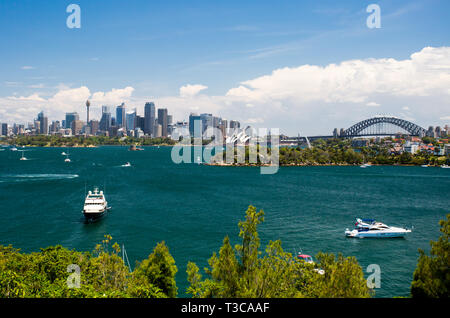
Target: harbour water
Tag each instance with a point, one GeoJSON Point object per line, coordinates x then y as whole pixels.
{"type": "Point", "coordinates": [193, 207]}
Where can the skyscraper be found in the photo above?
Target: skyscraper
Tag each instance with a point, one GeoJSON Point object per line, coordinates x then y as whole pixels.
{"type": "Point", "coordinates": [120, 116]}
{"type": "Point", "coordinates": [4, 129]}
{"type": "Point", "coordinates": [195, 125]}
{"type": "Point", "coordinates": [131, 120]}
{"type": "Point", "coordinates": [70, 117]}
{"type": "Point", "coordinates": [43, 128]}
{"type": "Point", "coordinates": [105, 121]}
{"type": "Point", "coordinates": [162, 120]}
{"type": "Point", "coordinates": [149, 115]}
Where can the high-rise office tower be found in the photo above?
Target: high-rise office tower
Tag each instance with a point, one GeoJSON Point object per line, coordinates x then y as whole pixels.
{"type": "Point", "coordinates": [120, 116]}
{"type": "Point", "coordinates": [195, 125]}
{"type": "Point", "coordinates": [162, 120]}
{"type": "Point", "coordinates": [131, 120]}
{"type": "Point", "coordinates": [94, 125]}
{"type": "Point", "coordinates": [105, 120]}
{"type": "Point", "coordinates": [77, 127]}
{"type": "Point", "coordinates": [43, 128]}
{"type": "Point", "coordinates": [149, 115]}
{"type": "Point", "coordinates": [70, 117]}
{"type": "Point", "coordinates": [4, 129]}
{"type": "Point", "coordinates": [234, 124]}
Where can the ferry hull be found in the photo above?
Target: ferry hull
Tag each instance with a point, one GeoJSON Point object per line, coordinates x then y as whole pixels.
{"type": "Point", "coordinates": [93, 216]}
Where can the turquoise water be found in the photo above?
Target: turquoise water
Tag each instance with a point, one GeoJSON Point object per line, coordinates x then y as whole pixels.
{"type": "Point", "coordinates": [192, 207]}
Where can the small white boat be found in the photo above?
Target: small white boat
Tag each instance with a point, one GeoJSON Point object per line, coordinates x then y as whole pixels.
{"type": "Point", "coordinates": [309, 260]}
{"type": "Point", "coordinates": [127, 165]}
{"type": "Point", "coordinates": [23, 157]}
{"type": "Point", "coordinates": [95, 205]}
{"type": "Point", "coordinates": [63, 153]}
{"type": "Point", "coordinates": [365, 165]}
{"type": "Point", "coordinates": [369, 228]}
{"type": "Point", "coordinates": [424, 166]}
{"type": "Point", "coordinates": [13, 149]}
{"type": "Point", "coordinates": [445, 166]}
{"type": "Point", "coordinates": [67, 158]}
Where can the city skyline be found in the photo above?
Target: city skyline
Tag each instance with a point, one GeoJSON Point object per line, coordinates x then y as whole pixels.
{"type": "Point", "coordinates": [296, 66]}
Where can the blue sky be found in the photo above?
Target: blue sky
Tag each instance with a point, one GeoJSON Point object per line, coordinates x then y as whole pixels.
{"type": "Point", "coordinates": [156, 47]}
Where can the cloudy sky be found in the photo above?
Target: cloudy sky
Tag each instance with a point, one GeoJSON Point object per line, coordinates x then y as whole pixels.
{"type": "Point", "coordinates": [301, 66]}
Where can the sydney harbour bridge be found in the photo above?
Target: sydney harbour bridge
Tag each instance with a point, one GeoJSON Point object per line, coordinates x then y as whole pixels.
{"type": "Point", "coordinates": [375, 126]}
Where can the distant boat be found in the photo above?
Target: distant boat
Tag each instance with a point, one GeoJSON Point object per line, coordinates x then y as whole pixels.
{"type": "Point", "coordinates": [134, 148]}
{"type": "Point", "coordinates": [365, 165]}
{"type": "Point", "coordinates": [67, 158]}
{"type": "Point", "coordinates": [63, 153]}
{"type": "Point", "coordinates": [445, 166]}
{"type": "Point", "coordinates": [23, 157]}
{"type": "Point", "coordinates": [13, 149]}
{"type": "Point", "coordinates": [127, 165]}
{"type": "Point", "coordinates": [424, 166]}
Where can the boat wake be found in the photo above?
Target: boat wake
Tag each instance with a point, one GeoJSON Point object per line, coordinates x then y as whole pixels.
{"type": "Point", "coordinates": [36, 177]}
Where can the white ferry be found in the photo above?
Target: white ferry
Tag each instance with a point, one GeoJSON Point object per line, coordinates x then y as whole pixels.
{"type": "Point", "coordinates": [373, 229]}
{"type": "Point", "coordinates": [95, 205]}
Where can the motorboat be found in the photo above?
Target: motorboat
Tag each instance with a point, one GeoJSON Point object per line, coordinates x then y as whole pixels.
{"type": "Point", "coordinates": [309, 260]}
{"type": "Point", "coordinates": [445, 166]}
{"type": "Point", "coordinates": [67, 159]}
{"type": "Point", "coordinates": [127, 165]}
{"type": "Point", "coordinates": [13, 149]}
{"type": "Point", "coordinates": [372, 229]}
{"type": "Point", "coordinates": [63, 153]}
{"type": "Point", "coordinates": [365, 165]}
{"type": "Point", "coordinates": [95, 205]}
{"type": "Point", "coordinates": [424, 166]}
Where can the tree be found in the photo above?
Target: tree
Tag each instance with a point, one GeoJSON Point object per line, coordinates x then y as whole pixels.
{"type": "Point", "coordinates": [242, 273]}
{"type": "Point", "coordinates": [159, 270]}
{"type": "Point", "coordinates": [432, 275]}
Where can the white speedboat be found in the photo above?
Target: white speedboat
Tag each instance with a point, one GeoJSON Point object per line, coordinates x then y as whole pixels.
{"type": "Point", "coordinates": [95, 205]}
{"type": "Point", "coordinates": [373, 229]}
{"type": "Point", "coordinates": [365, 165]}
{"type": "Point", "coordinates": [13, 149]}
{"type": "Point", "coordinates": [127, 165]}
{"type": "Point", "coordinates": [445, 166]}
{"type": "Point", "coordinates": [63, 153]}
{"type": "Point", "coordinates": [67, 159]}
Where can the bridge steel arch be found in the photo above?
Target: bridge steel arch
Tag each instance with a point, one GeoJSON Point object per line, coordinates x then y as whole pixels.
{"type": "Point", "coordinates": [410, 127]}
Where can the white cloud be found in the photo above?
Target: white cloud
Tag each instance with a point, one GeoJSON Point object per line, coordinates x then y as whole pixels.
{"type": "Point", "coordinates": [310, 99]}
{"type": "Point", "coordinates": [27, 67]}
{"type": "Point", "coordinates": [191, 90]}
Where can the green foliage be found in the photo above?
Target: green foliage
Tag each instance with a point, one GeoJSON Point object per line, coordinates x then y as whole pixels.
{"type": "Point", "coordinates": [82, 141]}
{"type": "Point", "coordinates": [158, 270]}
{"type": "Point", "coordinates": [243, 272]}
{"type": "Point", "coordinates": [102, 273]}
{"type": "Point", "coordinates": [432, 275]}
